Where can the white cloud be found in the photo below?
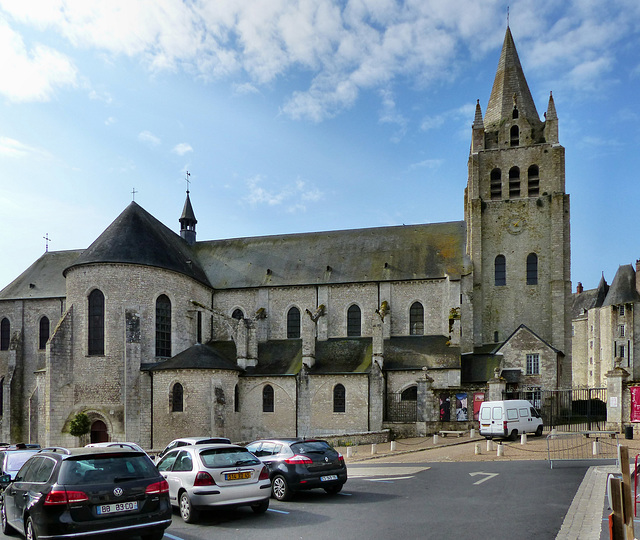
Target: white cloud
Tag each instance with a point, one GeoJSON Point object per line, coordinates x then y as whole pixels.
{"type": "Point", "coordinates": [149, 138]}
{"type": "Point", "coordinates": [337, 48]}
{"type": "Point", "coordinates": [31, 74]}
{"type": "Point", "coordinates": [293, 196]}
{"type": "Point", "coordinates": [110, 121]}
{"type": "Point", "coordinates": [15, 149]}
{"type": "Point", "coordinates": [182, 148]}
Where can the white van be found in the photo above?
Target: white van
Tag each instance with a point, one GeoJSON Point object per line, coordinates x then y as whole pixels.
{"type": "Point", "coordinates": [509, 418]}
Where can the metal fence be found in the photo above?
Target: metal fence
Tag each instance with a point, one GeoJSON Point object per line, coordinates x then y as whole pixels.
{"type": "Point", "coordinates": [400, 410]}
{"type": "Point", "coordinates": [579, 409]}
{"type": "Point", "coordinates": [582, 446]}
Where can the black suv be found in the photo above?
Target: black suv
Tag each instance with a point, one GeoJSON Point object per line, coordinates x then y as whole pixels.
{"type": "Point", "coordinates": [82, 492]}
{"type": "Point", "coordinates": [300, 464]}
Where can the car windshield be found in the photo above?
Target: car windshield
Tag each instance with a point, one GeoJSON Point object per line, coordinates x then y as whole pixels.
{"type": "Point", "coordinates": [227, 457]}
{"type": "Point", "coordinates": [309, 447]}
{"type": "Point", "coordinates": [106, 469]}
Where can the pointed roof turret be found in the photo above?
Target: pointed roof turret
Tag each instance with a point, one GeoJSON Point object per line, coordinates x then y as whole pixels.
{"type": "Point", "coordinates": [510, 89]}
{"type": "Point", "coordinates": [136, 237]}
{"type": "Point", "coordinates": [623, 287]}
{"type": "Point", "coordinates": [188, 222]}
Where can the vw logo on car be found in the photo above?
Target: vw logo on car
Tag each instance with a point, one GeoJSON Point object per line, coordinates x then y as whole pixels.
{"type": "Point", "coordinates": [118, 492]}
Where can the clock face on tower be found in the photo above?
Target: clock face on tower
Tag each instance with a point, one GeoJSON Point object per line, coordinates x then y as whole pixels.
{"type": "Point", "coordinates": [516, 224]}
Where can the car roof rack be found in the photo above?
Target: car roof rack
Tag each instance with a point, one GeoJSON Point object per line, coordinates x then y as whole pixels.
{"type": "Point", "coordinates": [55, 449]}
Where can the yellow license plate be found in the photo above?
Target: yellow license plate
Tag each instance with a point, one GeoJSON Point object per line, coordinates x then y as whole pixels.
{"type": "Point", "coordinates": [237, 476]}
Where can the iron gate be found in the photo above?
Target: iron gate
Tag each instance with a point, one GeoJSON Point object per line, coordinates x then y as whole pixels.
{"type": "Point", "coordinates": [577, 409]}
{"type": "Point", "coordinates": [400, 410]}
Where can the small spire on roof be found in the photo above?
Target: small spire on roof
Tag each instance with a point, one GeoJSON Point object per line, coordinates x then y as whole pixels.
{"type": "Point", "coordinates": [46, 244]}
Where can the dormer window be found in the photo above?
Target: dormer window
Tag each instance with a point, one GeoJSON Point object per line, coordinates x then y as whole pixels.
{"type": "Point", "coordinates": [515, 136]}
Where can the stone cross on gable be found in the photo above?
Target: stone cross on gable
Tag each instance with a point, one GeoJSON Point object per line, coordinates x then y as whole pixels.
{"type": "Point", "coordinates": [47, 240]}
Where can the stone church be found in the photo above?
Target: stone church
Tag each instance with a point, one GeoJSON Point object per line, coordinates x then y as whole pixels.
{"type": "Point", "coordinates": [156, 334]}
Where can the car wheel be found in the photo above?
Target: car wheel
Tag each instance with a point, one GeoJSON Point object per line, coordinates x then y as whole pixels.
{"type": "Point", "coordinates": [514, 435]}
{"type": "Point", "coordinates": [188, 513]}
{"type": "Point", "coordinates": [539, 431]}
{"type": "Point", "coordinates": [155, 535]}
{"type": "Point", "coordinates": [280, 489]}
{"type": "Point", "coordinates": [6, 528]}
{"type": "Point", "coordinates": [332, 490]}
{"type": "Point", "coordinates": [261, 507]}
{"type": "Point", "coordinates": [30, 531]}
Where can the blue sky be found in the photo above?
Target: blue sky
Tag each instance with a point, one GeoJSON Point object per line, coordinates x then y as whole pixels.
{"type": "Point", "coordinates": [300, 115]}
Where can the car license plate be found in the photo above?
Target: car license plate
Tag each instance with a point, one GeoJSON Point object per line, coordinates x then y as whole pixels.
{"type": "Point", "coordinates": [237, 476]}
{"type": "Point", "coordinates": [329, 477]}
{"type": "Point", "coordinates": [118, 507]}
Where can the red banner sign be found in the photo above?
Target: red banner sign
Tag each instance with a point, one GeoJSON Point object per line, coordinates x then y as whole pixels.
{"type": "Point", "coordinates": [635, 403]}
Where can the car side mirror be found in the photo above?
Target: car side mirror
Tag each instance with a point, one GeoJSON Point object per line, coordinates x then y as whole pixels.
{"type": "Point", "coordinates": [5, 480]}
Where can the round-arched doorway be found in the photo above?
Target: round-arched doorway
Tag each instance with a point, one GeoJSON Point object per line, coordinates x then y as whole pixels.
{"type": "Point", "coordinates": [99, 432]}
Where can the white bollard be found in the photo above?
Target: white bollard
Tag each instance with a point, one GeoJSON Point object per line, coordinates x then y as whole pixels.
{"type": "Point", "coordinates": [477, 449]}
{"type": "Point", "coordinates": [374, 449]}
{"type": "Point", "coordinates": [435, 438]}
{"type": "Point", "coordinates": [523, 438]}
{"type": "Point", "coordinates": [489, 445]}
{"type": "Point", "coordinates": [393, 446]}
{"type": "Point", "coordinates": [472, 433]}
{"type": "Point", "coordinates": [500, 450]}
{"type": "Point", "coordinates": [596, 448]}
{"type": "Point", "coordinates": [349, 451]}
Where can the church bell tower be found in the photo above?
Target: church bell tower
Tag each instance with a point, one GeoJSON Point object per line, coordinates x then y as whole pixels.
{"type": "Point", "coordinates": [517, 215]}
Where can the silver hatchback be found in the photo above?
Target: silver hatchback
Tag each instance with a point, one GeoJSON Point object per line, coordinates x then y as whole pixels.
{"type": "Point", "coordinates": [212, 475]}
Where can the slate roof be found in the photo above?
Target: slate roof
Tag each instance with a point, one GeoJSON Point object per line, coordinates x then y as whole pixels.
{"type": "Point", "coordinates": [409, 252]}
{"type": "Point", "coordinates": [478, 368]}
{"type": "Point", "coordinates": [586, 300]}
{"type": "Point", "coordinates": [43, 279]}
{"type": "Point", "coordinates": [509, 80]}
{"type": "Point", "coordinates": [136, 237]}
{"type": "Point", "coordinates": [623, 287]}
{"type": "Point", "coordinates": [416, 352]}
{"type": "Point", "coordinates": [214, 355]}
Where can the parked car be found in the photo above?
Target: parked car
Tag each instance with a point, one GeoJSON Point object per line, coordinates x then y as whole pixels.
{"type": "Point", "coordinates": [186, 441]}
{"type": "Point", "coordinates": [84, 492]}
{"type": "Point", "coordinates": [300, 464]}
{"type": "Point", "coordinates": [11, 460]}
{"type": "Point", "coordinates": [214, 475]}
{"type": "Point", "coordinates": [508, 419]}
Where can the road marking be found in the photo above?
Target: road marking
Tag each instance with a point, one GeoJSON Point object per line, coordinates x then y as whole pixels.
{"type": "Point", "coordinates": [487, 474]}
{"type": "Point", "coordinates": [172, 537]}
{"type": "Point", "coordinates": [385, 479]}
{"type": "Point", "coordinates": [277, 511]}
{"type": "Point", "coordinates": [384, 470]}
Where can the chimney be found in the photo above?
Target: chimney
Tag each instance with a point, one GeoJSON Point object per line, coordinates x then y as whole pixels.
{"type": "Point", "coordinates": [579, 288]}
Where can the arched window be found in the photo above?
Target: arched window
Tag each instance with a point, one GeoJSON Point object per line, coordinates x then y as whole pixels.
{"type": "Point", "coordinates": [177, 398]}
{"type": "Point", "coordinates": [533, 181]}
{"type": "Point", "coordinates": [43, 335]}
{"type": "Point", "coordinates": [354, 324]}
{"type": "Point", "coordinates": [515, 135]}
{"type": "Point", "coordinates": [237, 314]}
{"type": "Point", "coordinates": [5, 332]}
{"type": "Point", "coordinates": [514, 183]}
{"type": "Point", "coordinates": [532, 269]}
{"type": "Point", "coordinates": [416, 319]}
{"type": "Point", "coordinates": [236, 399]}
{"type": "Point", "coordinates": [293, 323]}
{"type": "Point", "coordinates": [515, 113]}
{"type": "Point", "coordinates": [267, 399]}
{"type": "Point", "coordinates": [1, 396]}
{"type": "Point", "coordinates": [500, 271]}
{"type": "Point", "coordinates": [339, 398]}
{"type": "Point", "coordinates": [409, 394]}
{"type": "Point", "coordinates": [199, 327]}
{"type": "Point", "coordinates": [496, 184]}
{"type": "Point", "coordinates": [96, 322]}
{"type": "Point", "coordinates": [163, 326]}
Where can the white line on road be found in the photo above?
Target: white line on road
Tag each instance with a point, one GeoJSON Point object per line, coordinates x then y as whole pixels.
{"type": "Point", "coordinates": [385, 479]}
{"type": "Point", "coordinates": [487, 474]}
{"type": "Point", "coordinates": [172, 537]}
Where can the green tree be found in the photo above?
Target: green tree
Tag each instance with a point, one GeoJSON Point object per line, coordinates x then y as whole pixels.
{"type": "Point", "coordinates": [80, 425]}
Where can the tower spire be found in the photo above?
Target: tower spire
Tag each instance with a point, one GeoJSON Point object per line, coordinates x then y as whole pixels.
{"type": "Point", "coordinates": [188, 218]}
{"type": "Point", "coordinates": [510, 89]}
